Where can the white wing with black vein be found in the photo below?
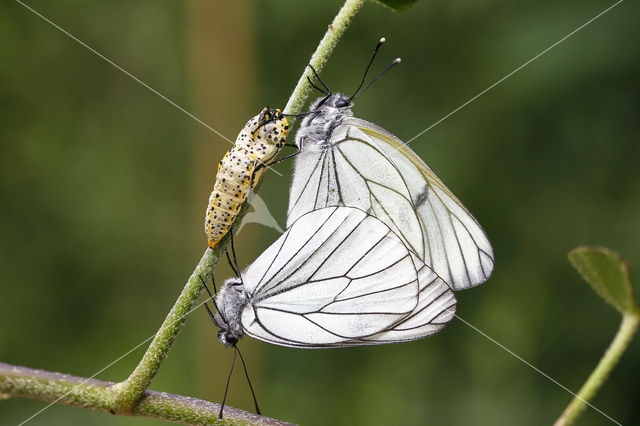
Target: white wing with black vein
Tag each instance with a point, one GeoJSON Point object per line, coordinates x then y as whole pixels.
{"type": "Point", "coordinates": [338, 277]}
{"type": "Point", "coordinates": [436, 307]}
{"type": "Point", "coordinates": [365, 166]}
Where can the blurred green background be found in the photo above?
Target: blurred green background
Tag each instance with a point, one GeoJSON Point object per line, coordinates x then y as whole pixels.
{"type": "Point", "coordinates": [103, 188]}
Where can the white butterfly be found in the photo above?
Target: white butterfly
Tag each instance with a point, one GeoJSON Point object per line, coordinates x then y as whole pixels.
{"type": "Point", "coordinates": [346, 161]}
{"type": "Point", "coordinates": [336, 277]}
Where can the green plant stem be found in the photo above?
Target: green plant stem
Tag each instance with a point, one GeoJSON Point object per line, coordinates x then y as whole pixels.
{"type": "Point", "coordinates": [131, 397]}
{"type": "Point", "coordinates": [611, 357]}
{"type": "Point", "coordinates": [128, 392]}
{"type": "Point", "coordinates": [319, 58]}
{"type": "Point", "coordinates": [97, 395]}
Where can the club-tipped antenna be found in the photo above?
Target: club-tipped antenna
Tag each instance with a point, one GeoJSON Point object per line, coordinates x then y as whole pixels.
{"type": "Point", "coordinates": [364, 77]}
{"type": "Point", "coordinates": [226, 389]}
{"type": "Point", "coordinates": [246, 373]}
{"type": "Point", "coordinates": [328, 92]}
{"type": "Point", "coordinates": [391, 65]}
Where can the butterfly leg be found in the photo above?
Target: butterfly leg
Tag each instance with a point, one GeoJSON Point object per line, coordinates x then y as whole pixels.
{"type": "Point", "coordinates": [234, 265]}
{"type": "Point", "coordinates": [286, 157]}
{"type": "Point", "coordinates": [261, 166]}
{"type": "Point", "coordinates": [213, 299]}
{"type": "Point", "coordinates": [235, 271]}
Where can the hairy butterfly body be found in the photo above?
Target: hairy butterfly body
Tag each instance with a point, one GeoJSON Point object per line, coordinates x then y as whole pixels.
{"type": "Point", "coordinates": [256, 146]}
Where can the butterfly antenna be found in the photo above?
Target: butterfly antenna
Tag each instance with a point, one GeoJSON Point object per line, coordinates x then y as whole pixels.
{"type": "Point", "coordinates": [328, 92]}
{"type": "Point", "coordinates": [382, 40]}
{"type": "Point", "coordinates": [244, 366]}
{"type": "Point", "coordinates": [226, 389]}
{"type": "Point", "coordinates": [391, 65]}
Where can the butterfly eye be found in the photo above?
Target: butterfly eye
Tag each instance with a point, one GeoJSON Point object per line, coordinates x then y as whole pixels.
{"type": "Point", "coordinates": [227, 338]}
{"type": "Point", "coordinates": [342, 102]}
{"type": "Point", "coordinates": [230, 339]}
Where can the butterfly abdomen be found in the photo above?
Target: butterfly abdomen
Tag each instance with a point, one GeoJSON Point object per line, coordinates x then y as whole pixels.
{"type": "Point", "coordinates": [256, 146]}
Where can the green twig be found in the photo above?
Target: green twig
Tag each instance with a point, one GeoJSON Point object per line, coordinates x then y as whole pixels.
{"type": "Point", "coordinates": [131, 397]}
{"type": "Point", "coordinates": [97, 395]}
{"type": "Point", "coordinates": [319, 58]}
{"type": "Point", "coordinates": [611, 357]}
{"type": "Point", "coordinates": [129, 391]}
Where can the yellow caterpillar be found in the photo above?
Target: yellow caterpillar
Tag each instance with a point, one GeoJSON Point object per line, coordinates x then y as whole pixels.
{"type": "Point", "coordinates": [256, 146]}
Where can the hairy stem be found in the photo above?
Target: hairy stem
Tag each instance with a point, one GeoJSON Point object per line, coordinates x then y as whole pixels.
{"type": "Point", "coordinates": [97, 395]}
{"type": "Point", "coordinates": [611, 357]}
{"type": "Point", "coordinates": [131, 397]}
{"type": "Point", "coordinates": [319, 58]}
{"type": "Point", "coordinates": [129, 391]}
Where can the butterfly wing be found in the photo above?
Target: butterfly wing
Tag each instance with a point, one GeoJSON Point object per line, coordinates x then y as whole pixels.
{"type": "Point", "coordinates": [353, 172]}
{"type": "Point", "coordinates": [436, 307]}
{"type": "Point", "coordinates": [367, 167]}
{"type": "Point", "coordinates": [336, 277]}
{"type": "Point", "coordinates": [456, 246]}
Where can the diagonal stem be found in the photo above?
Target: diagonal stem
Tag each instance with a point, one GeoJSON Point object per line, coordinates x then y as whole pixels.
{"type": "Point", "coordinates": [611, 357]}
{"type": "Point", "coordinates": [319, 58]}
{"type": "Point", "coordinates": [128, 392]}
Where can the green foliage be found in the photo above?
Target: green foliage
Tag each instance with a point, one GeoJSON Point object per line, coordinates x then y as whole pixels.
{"type": "Point", "coordinates": [398, 5]}
{"type": "Point", "coordinates": [607, 274]}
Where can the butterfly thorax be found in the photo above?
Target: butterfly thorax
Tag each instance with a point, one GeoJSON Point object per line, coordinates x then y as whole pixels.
{"type": "Point", "coordinates": [230, 301]}
{"type": "Point", "coordinates": [326, 114]}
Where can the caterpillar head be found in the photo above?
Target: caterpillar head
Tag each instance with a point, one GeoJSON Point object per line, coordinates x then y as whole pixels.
{"type": "Point", "coordinates": [271, 127]}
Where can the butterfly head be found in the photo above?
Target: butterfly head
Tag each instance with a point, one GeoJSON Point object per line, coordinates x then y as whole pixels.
{"type": "Point", "coordinates": [230, 301]}
{"type": "Point", "coordinates": [227, 338]}
{"type": "Point", "coordinates": [329, 111]}
{"type": "Point", "coordinates": [333, 101]}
